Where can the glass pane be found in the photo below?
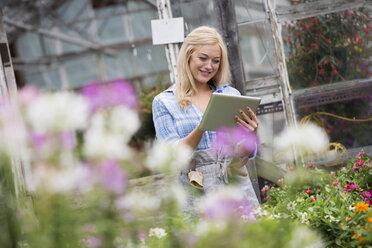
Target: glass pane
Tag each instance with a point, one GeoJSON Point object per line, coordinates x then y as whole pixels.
{"type": "Point", "coordinates": [111, 29]}
{"type": "Point", "coordinates": [28, 45]}
{"type": "Point", "coordinates": [342, 120]}
{"type": "Point", "coordinates": [81, 71]}
{"type": "Point", "coordinates": [151, 59]}
{"type": "Point", "coordinates": [196, 13]}
{"type": "Point", "coordinates": [45, 78]}
{"type": "Point", "coordinates": [250, 11]}
{"type": "Point", "coordinates": [80, 30]}
{"type": "Point", "coordinates": [141, 23]}
{"type": "Point", "coordinates": [73, 10]}
{"type": "Point", "coordinates": [119, 66]}
{"type": "Point", "coordinates": [257, 50]}
{"type": "Point", "coordinates": [328, 48]}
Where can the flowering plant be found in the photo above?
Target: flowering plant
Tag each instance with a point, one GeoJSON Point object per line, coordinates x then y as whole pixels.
{"type": "Point", "coordinates": [336, 204]}
{"type": "Point", "coordinates": [332, 48]}
{"type": "Point", "coordinates": [81, 176]}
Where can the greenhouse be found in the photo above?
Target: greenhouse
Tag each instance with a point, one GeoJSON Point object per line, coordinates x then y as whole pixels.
{"type": "Point", "coordinates": [185, 123]}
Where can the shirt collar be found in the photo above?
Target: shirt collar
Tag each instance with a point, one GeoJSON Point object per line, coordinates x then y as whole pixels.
{"type": "Point", "coordinates": [211, 83]}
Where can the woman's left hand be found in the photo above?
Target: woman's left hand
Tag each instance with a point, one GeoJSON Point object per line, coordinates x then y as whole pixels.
{"type": "Point", "coordinates": [248, 121]}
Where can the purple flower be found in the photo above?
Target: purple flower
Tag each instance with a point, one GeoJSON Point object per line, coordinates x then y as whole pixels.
{"type": "Point", "coordinates": [104, 95]}
{"type": "Point", "coordinates": [37, 139]}
{"type": "Point", "coordinates": [113, 177]}
{"type": "Point", "coordinates": [227, 203]}
{"type": "Point", "coordinates": [228, 139]}
{"type": "Point", "coordinates": [92, 241]}
{"type": "Point", "coordinates": [367, 195]}
{"type": "Point", "coordinates": [226, 208]}
{"type": "Point", "coordinates": [68, 140]}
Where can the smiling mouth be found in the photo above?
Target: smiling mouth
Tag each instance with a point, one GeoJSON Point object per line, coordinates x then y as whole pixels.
{"type": "Point", "coordinates": [205, 73]}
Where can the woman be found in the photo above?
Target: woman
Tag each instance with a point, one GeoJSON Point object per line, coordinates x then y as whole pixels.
{"type": "Point", "coordinates": [203, 69]}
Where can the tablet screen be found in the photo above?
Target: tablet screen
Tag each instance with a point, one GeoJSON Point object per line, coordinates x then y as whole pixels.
{"type": "Point", "coordinates": [222, 109]}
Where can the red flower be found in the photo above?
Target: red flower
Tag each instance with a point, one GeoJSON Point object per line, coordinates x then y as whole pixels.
{"type": "Point", "coordinates": [308, 191]}
{"type": "Point", "coordinates": [335, 72]}
{"type": "Point", "coordinates": [298, 34]}
{"type": "Point", "coordinates": [329, 41]}
{"type": "Point", "coordinates": [321, 71]}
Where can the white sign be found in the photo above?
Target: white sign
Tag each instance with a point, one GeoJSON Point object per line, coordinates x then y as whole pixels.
{"type": "Point", "coordinates": [167, 31]}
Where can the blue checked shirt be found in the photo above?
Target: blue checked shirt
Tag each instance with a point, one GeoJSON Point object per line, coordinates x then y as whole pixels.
{"type": "Point", "coordinates": [173, 123]}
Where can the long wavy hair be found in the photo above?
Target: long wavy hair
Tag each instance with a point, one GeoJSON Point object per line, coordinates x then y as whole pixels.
{"type": "Point", "coordinates": [185, 84]}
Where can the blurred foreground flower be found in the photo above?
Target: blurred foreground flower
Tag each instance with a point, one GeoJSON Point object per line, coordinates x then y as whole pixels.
{"type": "Point", "coordinates": [234, 142]}
{"type": "Point", "coordinates": [225, 204]}
{"type": "Point", "coordinates": [105, 95]}
{"type": "Point", "coordinates": [165, 157]}
{"type": "Point", "coordinates": [307, 139]}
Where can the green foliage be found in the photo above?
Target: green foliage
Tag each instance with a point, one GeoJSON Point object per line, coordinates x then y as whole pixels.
{"type": "Point", "coordinates": [336, 206]}
{"type": "Point", "coordinates": [9, 221]}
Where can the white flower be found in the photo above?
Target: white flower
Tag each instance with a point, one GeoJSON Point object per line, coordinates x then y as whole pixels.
{"type": "Point", "coordinates": [13, 133]}
{"type": "Point", "coordinates": [61, 180]}
{"type": "Point", "coordinates": [140, 201]}
{"type": "Point", "coordinates": [123, 121]}
{"type": "Point", "coordinates": [307, 139]}
{"type": "Point", "coordinates": [331, 218]}
{"type": "Point", "coordinates": [291, 205]}
{"type": "Point", "coordinates": [351, 208]}
{"type": "Point", "coordinates": [109, 133]}
{"type": "Point", "coordinates": [58, 112]}
{"type": "Point", "coordinates": [165, 157]}
{"type": "Point", "coordinates": [203, 227]}
{"type": "Point", "coordinates": [157, 232]}
{"type": "Point", "coordinates": [101, 144]}
{"type": "Point", "coordinates": [177, 192]}
{"type": "Point", "coordinates": [304, 237]}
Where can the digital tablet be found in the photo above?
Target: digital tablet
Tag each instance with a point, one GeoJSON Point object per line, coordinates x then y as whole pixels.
{"type": "Point", "coordinates": [222, 108]}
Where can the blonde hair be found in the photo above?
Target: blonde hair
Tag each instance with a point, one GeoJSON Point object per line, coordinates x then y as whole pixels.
{"type": "Point", "coordinates": [185, 83]}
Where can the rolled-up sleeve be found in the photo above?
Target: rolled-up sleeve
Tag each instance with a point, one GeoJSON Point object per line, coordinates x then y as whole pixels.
{"type": "Point", "coordinates": [164, 123]}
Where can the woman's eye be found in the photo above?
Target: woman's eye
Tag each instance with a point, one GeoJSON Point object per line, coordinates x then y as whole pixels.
{"type": "Point", "coordinates": [202, 58]}
{"type": "Point", "coordinates": [216, 61]}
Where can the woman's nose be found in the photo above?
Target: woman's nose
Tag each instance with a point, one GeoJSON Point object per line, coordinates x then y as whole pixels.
{"type": "Point", "coordinates": [209, 64]}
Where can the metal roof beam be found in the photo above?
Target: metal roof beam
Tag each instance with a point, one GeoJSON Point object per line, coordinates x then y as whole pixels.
{"type": "Point", "coordinates": [55, 35]}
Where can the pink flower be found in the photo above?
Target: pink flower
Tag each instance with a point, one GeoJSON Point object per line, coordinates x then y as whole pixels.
{"type": "Point", "coordinates": [280, 181]}
{"type": "Point", "coordinates": [308, 191]}
{"type": "Point", "coordinates": [113, 177]}
{"type": "Point", "coordinates": [227, 140]}
{"type": "Point", "coordinates": [359, 155]}
{"type": "Point", "coordinates": [312, 199]}
{"type": "Point", "coordinates": [335, 182]}
{"type": "Point", "coordinates": [104, 95]}
{"type": "Point", "coordinates": [359, 163]}
{"type": "Point", "coordinates": [367, 195]}
{"type": "Point", "coordinates": [264, 189]}
{"type": "Point", "coordinates": [350, 186]}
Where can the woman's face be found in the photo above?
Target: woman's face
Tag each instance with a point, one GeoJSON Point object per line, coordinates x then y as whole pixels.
{"type": "Point", "coordinates": [204, 62]}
